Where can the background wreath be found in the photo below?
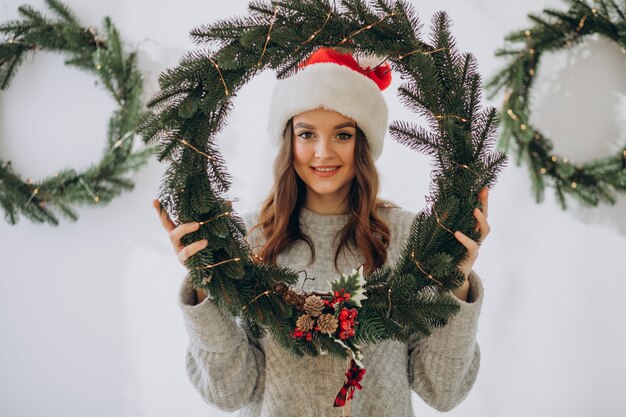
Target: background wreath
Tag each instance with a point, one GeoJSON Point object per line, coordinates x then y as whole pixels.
{"type": "Point", "coordinates": [592, 182]}
{"type": "Point", "coordinates": [410, 298]}
{"type": "Point", "coordinates": [118, 72]}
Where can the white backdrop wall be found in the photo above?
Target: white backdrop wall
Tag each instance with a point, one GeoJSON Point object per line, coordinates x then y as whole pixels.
{"type": "Point", "coordinates": [88, 317]}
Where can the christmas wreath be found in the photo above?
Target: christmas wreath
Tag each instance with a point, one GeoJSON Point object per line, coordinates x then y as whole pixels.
{"type": "Point", "coordinates": [592, 182]}
{"type": "Point", "coordinates": [103, 56]}
{"type": "Point", "coordinates": [410, 298]}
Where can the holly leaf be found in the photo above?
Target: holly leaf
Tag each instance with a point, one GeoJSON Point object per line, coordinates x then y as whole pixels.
{"type": "Point", "coordinates": [352, 284]}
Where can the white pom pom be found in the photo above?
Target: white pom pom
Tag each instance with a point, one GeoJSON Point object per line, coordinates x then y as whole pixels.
{"type": "Point", "coordinates": [368, 61]}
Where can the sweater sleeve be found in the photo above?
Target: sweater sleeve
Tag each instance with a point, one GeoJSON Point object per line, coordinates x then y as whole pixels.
{"type": "Point", "coordinates": [225, 365]}
{"type": "Point", "coordinates": [444, 365]}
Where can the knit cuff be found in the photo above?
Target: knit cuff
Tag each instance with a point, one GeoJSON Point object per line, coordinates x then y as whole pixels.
{"type": "Point", "coordinates": [207, 326]}
{"type": "Point", "coordinates": [457, 338]}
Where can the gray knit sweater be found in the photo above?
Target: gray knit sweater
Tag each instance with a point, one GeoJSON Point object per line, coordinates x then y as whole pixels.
{"type": "Point", "coordinates": [233, 371]}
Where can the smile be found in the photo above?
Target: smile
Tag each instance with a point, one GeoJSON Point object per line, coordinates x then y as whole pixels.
{"type": "Point", "coordinates": [325, 172]}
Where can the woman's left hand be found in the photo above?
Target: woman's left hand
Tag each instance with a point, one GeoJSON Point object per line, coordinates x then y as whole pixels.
{"type": "Point", "coordinates": [471, 245]}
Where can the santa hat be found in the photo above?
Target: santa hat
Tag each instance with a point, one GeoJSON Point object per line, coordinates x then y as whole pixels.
{"type": "Point", "coordinates": [335, 81]}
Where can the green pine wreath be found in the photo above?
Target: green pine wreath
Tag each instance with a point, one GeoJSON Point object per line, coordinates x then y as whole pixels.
{"type": "Point", "coordinates": [593, 182]}
{"type": "Point", "coordinates": [104, 57]}
{"type": "Point", "coordinates": [410, 298]}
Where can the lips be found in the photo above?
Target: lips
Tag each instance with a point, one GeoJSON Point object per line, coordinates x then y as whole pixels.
{"type": "Point", "coordinates": [325, 174]}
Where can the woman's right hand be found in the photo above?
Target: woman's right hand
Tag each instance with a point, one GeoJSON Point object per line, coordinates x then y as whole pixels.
{"type": "Point", "coordinates": [177, 232]}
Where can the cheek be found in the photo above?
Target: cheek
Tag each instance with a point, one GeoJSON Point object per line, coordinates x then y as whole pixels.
{"type": "Point", "coordinates": [300, 156]}
{"type": "Point", "coordinates": [347, 155]}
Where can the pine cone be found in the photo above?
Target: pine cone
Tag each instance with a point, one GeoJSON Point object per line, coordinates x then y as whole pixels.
{"type": "Point", "coordinates": [313, 305]}
{"type": "Point", "coordinates": [294, 299]}
{"type": "Point", "coordinates": [290, 296]}
{"type": "Point", "coordinates": [327, 323]}
{"type": "Point", "coordinates": [305, 323]}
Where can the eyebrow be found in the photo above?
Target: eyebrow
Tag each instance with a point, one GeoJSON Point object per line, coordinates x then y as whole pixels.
{"type": "Point", "coordinates": [339, 126]}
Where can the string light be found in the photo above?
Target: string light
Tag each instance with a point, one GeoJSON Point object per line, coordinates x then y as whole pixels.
{"type": "Point", "coordinates": [268, 292]}
{"type": "Point", "coordinates": [202, 223]}
{"type": "Point", "coordinates": [554, 158]}
{"type": "Point", "coordinates": [267, 38]}
{"type": "Point", "coordinates": [512, 115]}
{"type": "Point", "coordinates": [330, 12]}
{"type": "Point", "coordinates": [543, 170]}
{"type": "Point", "coordinates": [523, 126]}
{"type": "Point", "coordinates": [371, 25]}
{"type": "Point", "coordinates": [93, 195]}
{"type": "Point", "coordinates": [121, 140]}
{"type": "Point", "coordinates": [441, 224]}
{"type": "Point", "coordinates": [32, 195]}
{"type": "Point", "coordinates": [184, 142]}
{"type": "Point", "coordinates": [466, 167]}
{"type": "Point", "coordinates": [218, 264]}
{"type": "Point", "coordinates": [422, 52]}
{"type": "Point", "coordinates": [581, 23]}
{"type": "Point", "coordinates": [574, 185]}
{"type": "Point", "coordinates": [226, 92]}
{"type": "Point", "coordinates": [429, 276]}
{"type": "Point", "coordinates": [446, 116]}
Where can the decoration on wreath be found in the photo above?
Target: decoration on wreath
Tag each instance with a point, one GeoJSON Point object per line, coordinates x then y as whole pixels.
{"type": "Point", "coordinates": [592, 182]}
{"type": "Point", "coordinates": [87, 50]}
{"type": "Point", "coordinates": [393, 302]}
{"type": "Point", "coordinates": [334, 314]}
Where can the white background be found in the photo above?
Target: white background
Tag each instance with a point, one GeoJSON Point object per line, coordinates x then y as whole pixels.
{"type": "Point", "coordinates": [88, 319]}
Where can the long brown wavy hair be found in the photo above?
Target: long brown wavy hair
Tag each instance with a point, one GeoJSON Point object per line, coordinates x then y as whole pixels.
{"type": "Point", "coordinates": [280, 212]}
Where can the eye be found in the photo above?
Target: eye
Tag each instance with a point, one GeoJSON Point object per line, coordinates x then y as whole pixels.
{"type": "Point", "coordinates": [304, 133]}
{"type": "Point", "coordinates": [346, 136]}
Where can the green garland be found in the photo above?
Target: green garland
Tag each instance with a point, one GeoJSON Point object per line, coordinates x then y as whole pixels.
{"type": "Point", "coordinates": [119, 74]}
{"type": "Point", "coordinates": [409, 298]}
{"type": "Point", "coordinates": [592, 182]}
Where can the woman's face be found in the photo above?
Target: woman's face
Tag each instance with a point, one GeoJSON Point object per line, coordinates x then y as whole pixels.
{"type": "Point", "coordinates": [324, 139]}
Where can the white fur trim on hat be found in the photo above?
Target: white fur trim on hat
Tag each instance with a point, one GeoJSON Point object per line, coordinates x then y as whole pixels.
{"type": "Point", "coordinates": [332, 87]}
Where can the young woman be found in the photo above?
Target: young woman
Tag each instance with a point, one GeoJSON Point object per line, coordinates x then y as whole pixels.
{"type": "Point", "coordinates": [323, 216]}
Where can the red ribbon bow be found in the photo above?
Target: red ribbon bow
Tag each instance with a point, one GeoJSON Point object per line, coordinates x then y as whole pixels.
{"type": "Point", "coordinates": [354, 376]}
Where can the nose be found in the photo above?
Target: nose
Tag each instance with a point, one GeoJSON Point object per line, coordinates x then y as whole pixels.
{"type": "Point", "coordinates": [323, 148]}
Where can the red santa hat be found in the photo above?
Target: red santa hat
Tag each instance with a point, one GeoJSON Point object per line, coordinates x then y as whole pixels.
{"type": "Point", "coordinates": [335, 81]}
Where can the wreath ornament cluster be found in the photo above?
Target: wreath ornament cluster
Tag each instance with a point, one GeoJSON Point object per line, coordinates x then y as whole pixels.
{"type": "Point", "coordinates": [592, 182]}
{"type": "Point", "coordinates": [394, 302]}
{"type": "Point", "coordinates": [117, 71]}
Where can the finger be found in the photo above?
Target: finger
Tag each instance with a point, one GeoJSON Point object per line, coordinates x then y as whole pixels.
{"type": "Point", "coordinates": [190, 250]}
{"type": "Point", "coordinates": [165, 219]}
{"type": "Point", "coordinates": [483, 225]}
{"type": "Point", "coordinates": [471, 245]}
{"type": "Point", "coordinates": [182, 230]}
{"type": "Point", "coordinates": [484, 200]}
